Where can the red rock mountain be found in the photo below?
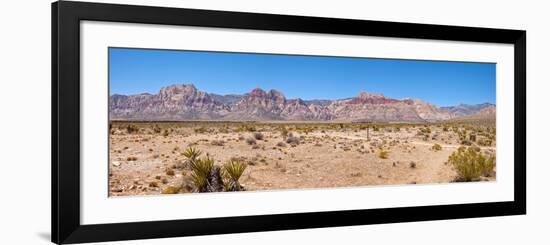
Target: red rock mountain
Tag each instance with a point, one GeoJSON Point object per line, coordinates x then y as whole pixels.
{"type": "Point", "coordinates": [185, 102]}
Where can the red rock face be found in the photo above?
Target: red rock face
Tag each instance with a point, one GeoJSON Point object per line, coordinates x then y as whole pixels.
{"type": "Point", "coordinates": [376, 99]}
{"type": "Point", "coordinates": [185, 102]}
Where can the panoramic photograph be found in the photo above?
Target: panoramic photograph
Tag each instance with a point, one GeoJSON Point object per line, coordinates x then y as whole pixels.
{"type": "Point", "coordinates": [205, 121]}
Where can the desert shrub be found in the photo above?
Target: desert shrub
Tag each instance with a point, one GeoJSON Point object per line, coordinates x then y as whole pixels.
{"type": "Point", "coordinates": [171, 190]}
{"type": "Point", "coordinates": [170, 172]}
{"type": "Point", "coordinates": [156, 129]}
{"type": "Point", "coordinates": [258, 136]}
{"type": "Point", "coordinates": [291, 139]}
{"type": "Point", "coordinates": [131, 128]}
{"type": "Point", "coordinates": [375, 128]}
{"type": "Point", "coordinates": [233, 171]}
{"type": "Point", "coordinates": [425, 130]}
{"type": "Point", "coordinates": [484, 142]}
{"type": "Point", "coordinates": [466, 142]}
{"type": "Point", "coordinates": [165, 133]}
{"type": "Point", "coordinates": [412, 164]}
{"type": "Point", "coordinates": [246, 128]}
{"type": "Point", "coordinates": [473, 137]}
{"type": "Point", "coordinates": [306, 130]}
{"type": "Point", "coordinates": [383, 154]}
{"type": "Point", "coordinates": [284, 132]}
{"type": "Point", "coordinates": [281, 144]}
{"type": "Point", "coordinates": [131, 159]}
{"type": "Point", "coordinates": [470, 163]}
{"type": "Point", "coordinates": [200, 130]}
{"type": "Point", "coordinates": [436, 147]}
{"type": "Point", "coordinates": [223, 130]}
{"type": "Point", "coordinates": [251, 141]}
{"type": "Point", "coordinates": [445, 128]}
{"type": "Point", "coordinates": [217, 142]}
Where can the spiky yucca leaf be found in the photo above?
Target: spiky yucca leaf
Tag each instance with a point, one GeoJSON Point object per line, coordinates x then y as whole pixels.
{"type": "Point", "coordinates": [199, 182]}
{"type": "Point", "coordinates": [202, 166]}
{"type": "Point", "coordinates": [192, 153]}
{"type": "Point", "coordinates": [201, 171]}
{"type": "Point", "coordinates": [234, 169]}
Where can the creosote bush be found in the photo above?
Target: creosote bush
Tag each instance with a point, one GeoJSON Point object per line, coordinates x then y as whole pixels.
{"type": "Point", "coordinates": [251, 141]}
{"type": "Point", "coordinates": [132, 128]}
{"type": "Point", "coordinates": [258, 136]}
{"type": "Point", "coordinates": [284, 132]}
{"type": "Point", "coordinates": [437, 147]}
{"type": "Point", "coordinates": [383, 154]}
{"type": "Point", "coordinates": [200, 130]}
{"type": "Point", "coordinates": [470, 163]}
{"type": "Point", "coordinates": [171, 190]}
{"type": "Point", "coordinates": [291, 139]}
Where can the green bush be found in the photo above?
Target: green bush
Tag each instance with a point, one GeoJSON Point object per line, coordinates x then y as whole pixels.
{"type": "Point", "coordinates": [201, 130]}
{"type": "Point", "coordinates": [171, 190]}
{"type": "Point", "coordinates": [132, 128]}
{"type": "Point", "coordinates": [470, 164]}
{"type": "Point", "coordinates": [383, 154]}
{"type": "Point", "coordinates": [437, 147]}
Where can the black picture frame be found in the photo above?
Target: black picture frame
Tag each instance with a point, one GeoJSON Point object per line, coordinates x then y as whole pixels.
{"type": "Point", "coordinates": [66, 17]}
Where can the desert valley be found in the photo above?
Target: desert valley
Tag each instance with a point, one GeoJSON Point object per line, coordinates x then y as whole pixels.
{"type": "Point", "coordinates": [182, 140]}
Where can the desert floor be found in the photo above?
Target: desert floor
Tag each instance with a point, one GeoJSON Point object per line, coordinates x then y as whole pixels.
{"type": "Point", "coordinates": [148, 158]}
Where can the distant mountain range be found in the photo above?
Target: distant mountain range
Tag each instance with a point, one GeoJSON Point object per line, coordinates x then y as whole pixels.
{"type": "Point", "coordinates": [185, 102]}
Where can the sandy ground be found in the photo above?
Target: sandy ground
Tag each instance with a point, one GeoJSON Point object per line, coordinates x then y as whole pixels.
{"type": "Point", "coordinates": [145, 162]}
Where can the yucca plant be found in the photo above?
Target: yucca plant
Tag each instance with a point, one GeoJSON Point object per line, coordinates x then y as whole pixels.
{"type": "Point", "coordinates": [215, 181]}
{"type": "Point", "coordinates": [202, 168]}
{"type": "Point", "coordinates": [233, 170]}
{"type": "Point", "coordinates": [191, 154]}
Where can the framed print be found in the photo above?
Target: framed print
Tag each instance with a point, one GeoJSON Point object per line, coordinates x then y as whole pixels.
{"type": "Point", "coordinates": [176, 122]}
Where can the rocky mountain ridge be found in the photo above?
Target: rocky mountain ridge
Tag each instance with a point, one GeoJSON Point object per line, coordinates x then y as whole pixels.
{"type": "Point", "coordinates": [186, 102]}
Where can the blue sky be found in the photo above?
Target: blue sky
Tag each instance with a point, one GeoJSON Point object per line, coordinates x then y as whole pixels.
{"type": "Point", "coordinates": [134, 71]}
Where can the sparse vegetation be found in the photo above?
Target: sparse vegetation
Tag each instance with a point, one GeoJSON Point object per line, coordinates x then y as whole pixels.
{"type": "Point", "coordinates": [164, 157]}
